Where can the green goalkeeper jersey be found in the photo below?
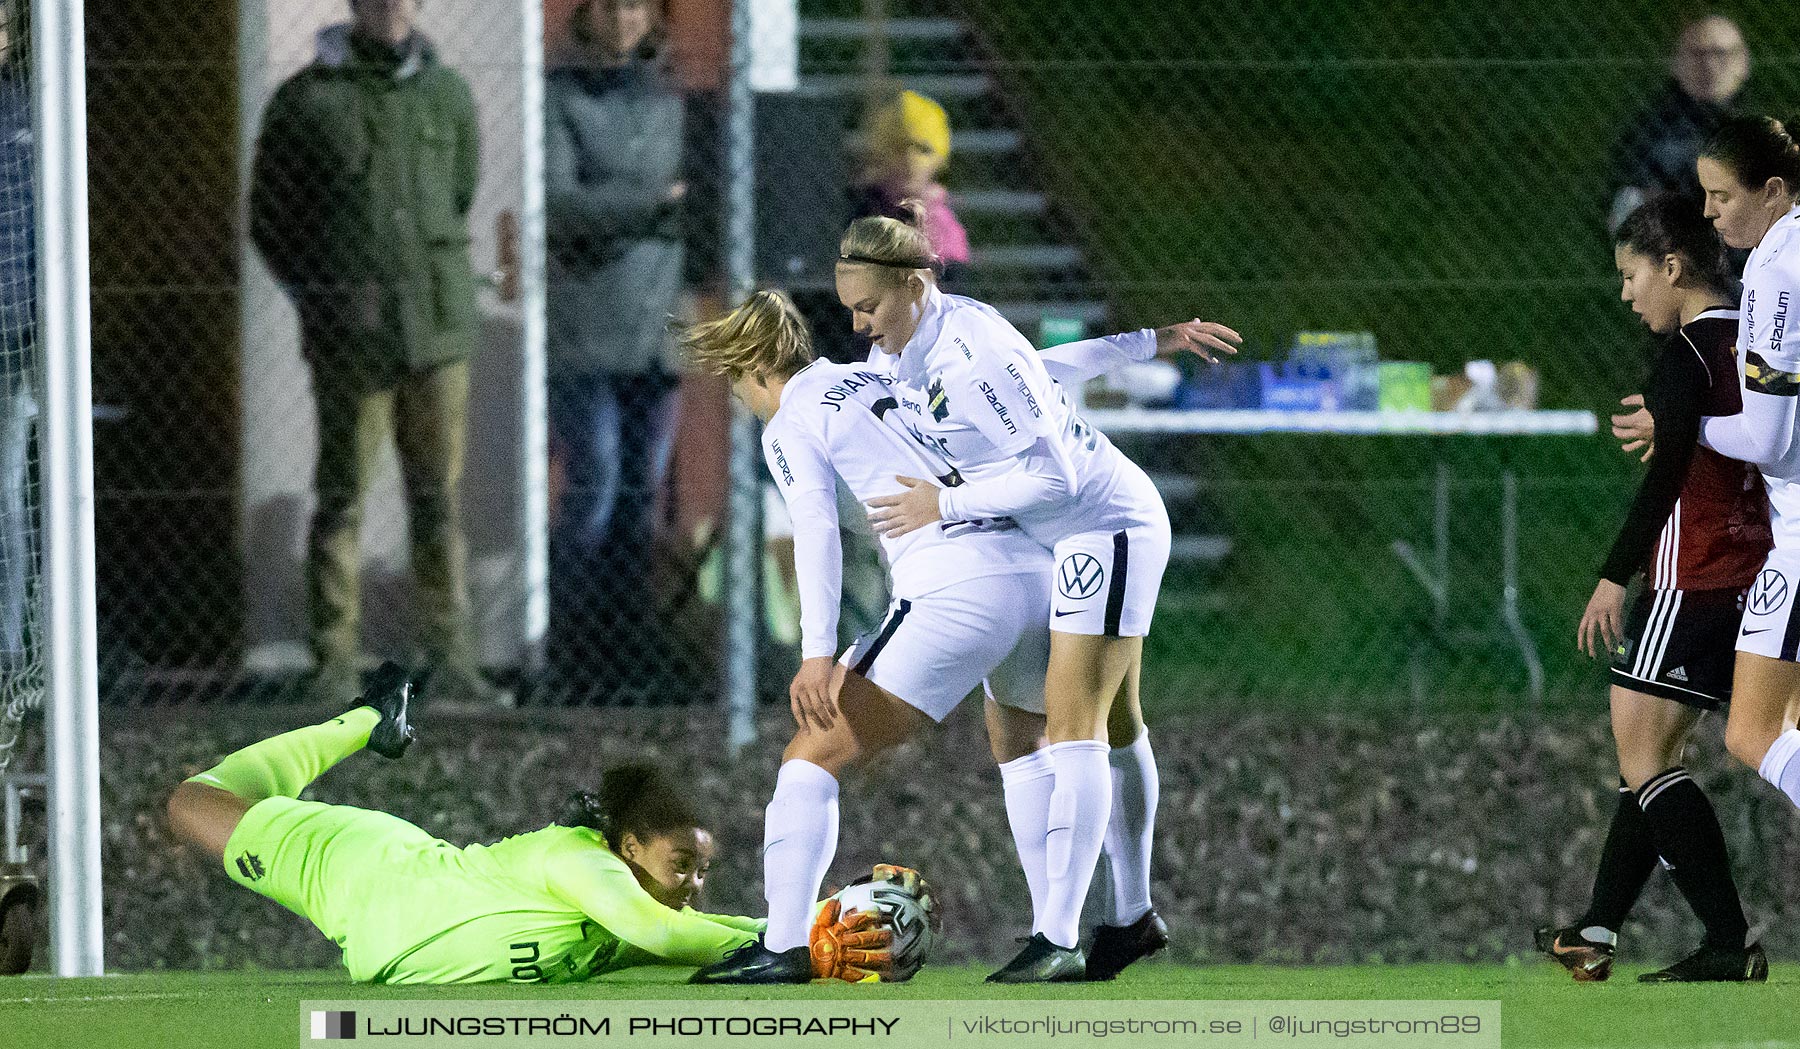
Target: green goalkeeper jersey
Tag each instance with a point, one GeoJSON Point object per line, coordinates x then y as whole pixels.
{"type": "Point", "coordinates": [553, 906]}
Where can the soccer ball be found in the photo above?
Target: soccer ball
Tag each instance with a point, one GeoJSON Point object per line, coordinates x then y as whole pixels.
{"type": "Point", "coordinates": [907, 916]}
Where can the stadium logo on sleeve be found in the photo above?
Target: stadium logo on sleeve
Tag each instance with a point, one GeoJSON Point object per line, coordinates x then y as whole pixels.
{"type": "Point", "coordinates": [994, 402]}
{"type": "Point", "coordinates": [1769, 593]}
{"type": "Point", "coordinates": [1080, 576]}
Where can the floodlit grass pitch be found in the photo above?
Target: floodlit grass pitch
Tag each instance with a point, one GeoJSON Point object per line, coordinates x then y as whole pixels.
{"type": "Point", "coordinates": [1541, 1006]}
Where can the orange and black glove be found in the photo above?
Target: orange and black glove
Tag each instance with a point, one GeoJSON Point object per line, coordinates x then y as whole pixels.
{"type": "Point", "coordinates": [910, 880]}
{"type": "Point", "coordinates": [856, 949]}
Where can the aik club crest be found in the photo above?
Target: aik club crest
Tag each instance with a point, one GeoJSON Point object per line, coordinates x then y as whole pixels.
{"type": "Point", "coordinates": [935, 401]}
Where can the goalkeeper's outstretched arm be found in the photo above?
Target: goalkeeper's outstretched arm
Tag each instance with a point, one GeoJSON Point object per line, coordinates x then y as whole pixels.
{"type": "Point", "coordinates": [600, 885]}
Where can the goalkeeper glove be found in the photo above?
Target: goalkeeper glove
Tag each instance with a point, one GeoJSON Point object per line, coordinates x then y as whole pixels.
{"type": "Point", "coordinates": [911, 881]}
{"type": "Point", "coordinates": [856, 949]}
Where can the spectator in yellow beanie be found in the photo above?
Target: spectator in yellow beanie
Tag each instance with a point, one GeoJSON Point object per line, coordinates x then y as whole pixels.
{"type": "Point", "coordinates": [909, 145]}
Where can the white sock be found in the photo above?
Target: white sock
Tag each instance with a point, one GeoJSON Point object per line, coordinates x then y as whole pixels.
{"type": "Point", "coordinates": [800, 832]}
{"type": "Point", "coordinates": [1779, 767]}
{"type": "Point", "coordinates": [1132, 828]}
{"type": "Point", "coordinates": [1079, 808]}
{"type": "Point", "coordinates": [1029, 782]}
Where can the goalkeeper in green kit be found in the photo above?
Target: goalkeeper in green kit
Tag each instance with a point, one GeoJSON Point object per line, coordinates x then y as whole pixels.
{"type": "Point", "coordinates": [606, 888]}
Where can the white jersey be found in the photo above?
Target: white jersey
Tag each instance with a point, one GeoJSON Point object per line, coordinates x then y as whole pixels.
{"type": "Point", "coordinates": [1769, 354]}
{"type": "Point", "coordinates": [981, 395]}
{"type": "Point", "coordinates": [843, 419]}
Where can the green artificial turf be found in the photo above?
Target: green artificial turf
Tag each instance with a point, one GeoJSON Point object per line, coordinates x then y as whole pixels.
{"type": "Point", "coordinates": [1540, 1005]}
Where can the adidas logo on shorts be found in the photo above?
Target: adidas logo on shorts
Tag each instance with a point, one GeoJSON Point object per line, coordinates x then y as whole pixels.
{"type": "Point", "coordinates": [1678, 674]}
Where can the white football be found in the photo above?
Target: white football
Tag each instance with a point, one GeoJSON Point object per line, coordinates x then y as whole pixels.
{"type": "Point", "coordinates": [906, 915]}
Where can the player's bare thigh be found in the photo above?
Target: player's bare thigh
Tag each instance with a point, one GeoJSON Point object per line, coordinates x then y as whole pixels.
{"type": "Point", "coordinates": [870, 720]}
{"type": "Point", "coordinates": [1650, 733]}
{"type": "Point", "coordinates": [1012, 733]}
{"type": "Point", "coordinates": [205, 816]}
{"type": "Point", "coordinates": [1086, 673]}
{"type": "Point", "coordinates": [1125, 722]}
{"type": "Point", "coordinates": [1765, 701]}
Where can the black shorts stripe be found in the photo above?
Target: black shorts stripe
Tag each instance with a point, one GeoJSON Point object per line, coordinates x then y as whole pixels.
{"type": "Point", "coordinates": [1115, 595]}
{"type": "Point", "coordinates": [901, 607]}
{"type": "Point", "coordinates": [1680, 645]}
{"type": "Point", "coordinates": [1790, 641]}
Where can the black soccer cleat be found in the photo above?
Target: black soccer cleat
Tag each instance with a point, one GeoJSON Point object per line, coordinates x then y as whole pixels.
{"type": "Point", "coordinates": [390, 691]}
{"type": "Point", "coordinates": [1043, 962]}
{"type": "Point", "coordinates": [1588, 961]}
{"type": "Point", "coordinates": [754, 963]}
{"type": "Point", "coordinates": [1712, 964]}
{"type": "Point", "coordinates": [1116, 946]}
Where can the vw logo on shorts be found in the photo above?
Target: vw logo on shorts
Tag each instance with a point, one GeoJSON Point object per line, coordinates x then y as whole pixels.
{"type": "Point", "coordinates": [1769, 593]}
{"type": "Point", "coordinates": [1080, 576]}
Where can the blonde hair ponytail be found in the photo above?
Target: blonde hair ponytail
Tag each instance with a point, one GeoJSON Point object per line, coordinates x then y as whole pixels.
{"type": "Point", "coordinates": [764, 338]}
{"type": "Point", "coordinates": [896, 245]}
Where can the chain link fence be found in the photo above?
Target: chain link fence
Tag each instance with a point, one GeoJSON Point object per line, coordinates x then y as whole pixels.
{"type": "Point", "coordinates": [528, 496]}
{"type": "Point", "coordinates": [1439, 181]}
{"type": "Point", "coordinates": [1442, 181]}
{"type": "Point", "coordinates": [332, 434]}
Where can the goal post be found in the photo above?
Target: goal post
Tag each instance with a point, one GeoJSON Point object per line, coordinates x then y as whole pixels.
{"type": "Point", "coordinates": [66, 466]}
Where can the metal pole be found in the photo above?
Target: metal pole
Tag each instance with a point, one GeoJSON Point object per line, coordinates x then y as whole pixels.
{"type": "Point", "coordinates": [1440, 546]}
{"type": "Point", "coordinates": [72, 712]}
{"type": "Point", "coordinates": [534, 434]}
{"type": "Point", "coordinates": [743, 543]}
{"type": "Point", "coordinates": [1509, 586]}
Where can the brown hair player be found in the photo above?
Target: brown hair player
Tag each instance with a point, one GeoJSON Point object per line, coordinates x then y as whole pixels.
{"type": "Point", "coordinates": [1698, 530]}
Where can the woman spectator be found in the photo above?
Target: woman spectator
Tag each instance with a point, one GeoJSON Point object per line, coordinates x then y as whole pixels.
{"type": "Point", "coordinates": [613, 150]}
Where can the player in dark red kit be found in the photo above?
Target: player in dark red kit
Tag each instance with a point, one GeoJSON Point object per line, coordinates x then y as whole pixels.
{"type": "Point", "coordinates": [1699, 531]}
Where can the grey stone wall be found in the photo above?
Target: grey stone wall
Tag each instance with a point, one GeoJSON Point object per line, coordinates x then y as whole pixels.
{"type": "Point", "coordinates": [1330, 840]}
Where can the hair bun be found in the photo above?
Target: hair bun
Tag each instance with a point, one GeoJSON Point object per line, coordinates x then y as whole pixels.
{"type": "Point", "coordinates": [912, 212]}
{"type": "Point", "coordinates": [582, 809]}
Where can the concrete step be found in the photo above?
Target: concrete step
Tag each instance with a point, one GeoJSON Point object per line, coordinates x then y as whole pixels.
{"type": "Point", "coordinates": [1175, 487]}
{"type": "Point", "coordinates": [937, 85]}
{"type": "Point", "coordinates": [999, 201]}
{"type": "Point", "coordinates": [986, 140]}
{"type": "Point", "coordinates": [895, 29]}
{"type": "Point", "coordinates": [976, 141]}
{"type": "Point", "coordinates": [1191, 549]}
{"type": "Point", "coordinates": [1026, 257]}
{"type": "Point", "coordinates": [1028, 316]}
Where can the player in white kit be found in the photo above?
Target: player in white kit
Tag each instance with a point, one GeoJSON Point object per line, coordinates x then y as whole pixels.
{"type": "Point", "coordinates": [977, 391]}
{"type": "Point", "coordinates": [1750, 171]}
{"type": "Point", "coordinates": [970, 603]}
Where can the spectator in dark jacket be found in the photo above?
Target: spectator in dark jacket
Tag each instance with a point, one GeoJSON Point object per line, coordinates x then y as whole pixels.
{"type": "Point", "coordinates": [1656, 153]}
{"type": "Point", "coordinates": [365, 171]}
{"type": "Point", "coordinates": [613, 152]}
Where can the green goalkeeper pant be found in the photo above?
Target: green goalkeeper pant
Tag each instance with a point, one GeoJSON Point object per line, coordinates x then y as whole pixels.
{"type": "Point", "coordinates": [337, 866]}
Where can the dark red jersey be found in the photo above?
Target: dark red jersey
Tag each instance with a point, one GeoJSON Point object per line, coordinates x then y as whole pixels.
{"type": "Point", "coordinates": [1700, 521]}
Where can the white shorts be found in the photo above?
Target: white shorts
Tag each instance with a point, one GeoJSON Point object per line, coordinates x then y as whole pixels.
{"type": "Point", "coordinates": [1770, 627]}
{"type": "Point", "coordinates": [1107, 582]}
{"type": "Point", "coordinates": [934, 650]}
